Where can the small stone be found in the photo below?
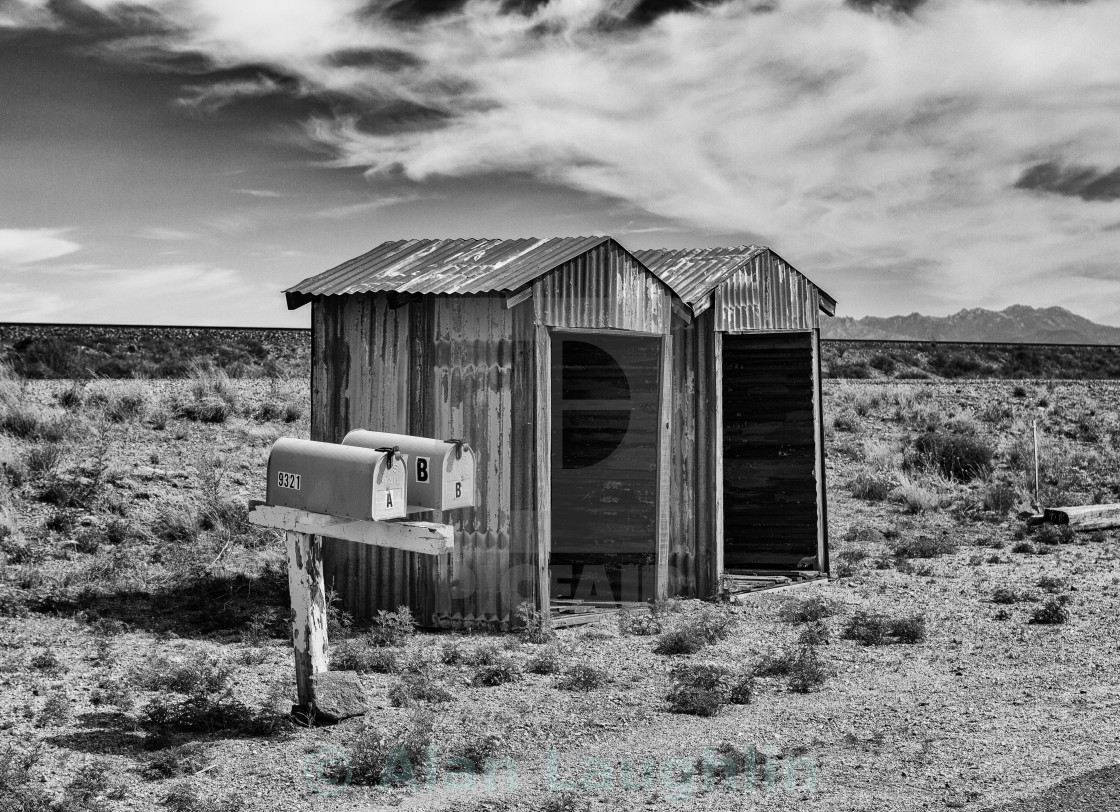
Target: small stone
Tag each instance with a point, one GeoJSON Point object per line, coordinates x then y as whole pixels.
{"type": "Point", "coordinates": [338, 695]}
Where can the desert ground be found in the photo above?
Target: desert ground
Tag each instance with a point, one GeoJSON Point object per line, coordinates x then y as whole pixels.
{"type": "Point", "coordinates": [957, 660]}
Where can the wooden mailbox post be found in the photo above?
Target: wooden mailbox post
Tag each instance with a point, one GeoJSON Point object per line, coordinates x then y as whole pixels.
{"type": "Point", "coordinates": [352, 507]}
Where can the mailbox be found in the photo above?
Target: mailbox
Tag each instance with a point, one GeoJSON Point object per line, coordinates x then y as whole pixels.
{"type": "Point", "coordinates": [348, 481]}
{"type": "Point", "coordinates": [440, 472]}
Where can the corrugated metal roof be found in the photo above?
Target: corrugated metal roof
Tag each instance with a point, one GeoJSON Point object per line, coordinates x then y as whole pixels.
{"type": "Point", "coordinates": [469, 265]}
{"type": "Point", "coordinates": [694, 272]}
{"type": "Point", "coordinates": [444, 266]}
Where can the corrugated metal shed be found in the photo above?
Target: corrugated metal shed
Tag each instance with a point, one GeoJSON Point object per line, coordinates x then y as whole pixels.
{"type": "Point", "coordinates": [444, 266]}
{"type": "Point", "coordinates": [693, 273]}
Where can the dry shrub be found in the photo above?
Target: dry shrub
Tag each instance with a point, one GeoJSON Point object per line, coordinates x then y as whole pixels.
{"type": "Point", "coordinates": [583, 677]}
{"type": "Point", "coordinates": [915, 497]}
{"type": "Point", "coordinates": [872, 486]}
{"type": "Point", "coordinates": [958, 453]}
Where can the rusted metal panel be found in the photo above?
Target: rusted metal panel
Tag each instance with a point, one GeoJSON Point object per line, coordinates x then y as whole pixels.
{"type": "Point", "coordinates": [360, 372]}
{"type": "Point", "coordinates": [444, 266]}
{"type": "Point", "coordinates": [766, 294]}
{"type": "Point", "coordinates": [470, 386]}
{"type": "Point", "coordinates": [692, 552]}
{"type": "Point", "coordinates": [604, 288]}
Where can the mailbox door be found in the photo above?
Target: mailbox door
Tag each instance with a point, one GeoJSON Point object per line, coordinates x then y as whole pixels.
{"type": "Point", "coordinates": [389, 490]}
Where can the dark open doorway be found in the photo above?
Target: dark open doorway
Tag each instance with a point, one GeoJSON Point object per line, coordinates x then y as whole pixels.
{"type": "Point", "coordinates": [770, 447]}
{"type": "Point", "coordinates": [604, 467]}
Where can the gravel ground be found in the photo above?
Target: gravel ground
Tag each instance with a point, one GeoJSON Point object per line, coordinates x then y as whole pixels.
{"type": "Point", "coordinates": [986, 714]}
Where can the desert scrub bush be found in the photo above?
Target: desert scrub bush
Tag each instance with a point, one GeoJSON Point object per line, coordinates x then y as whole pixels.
{"type": "Point", "coordinates": [43, 459]}
{"type": "Point", "coordinates": [205, 382]}
{"type": "Point", "coordinates": [186, 797]}
{"type": "Point", "coordinates": [1007, 594]}
{"type": "Point", "coordinates": [534, 626]}
{"type": "Point", "coordinates": [392, 628]}
{"type": "Point", "coordinates": [175, 521]}
{"type": "Point", "coordinates": [874, 629]}
{"type": "Point", "coordinates": [813, 634]}
{"type": "Point", "coordinates": [1023, 547]}
{"type": "Point", "coordinates": [384, 753]}
{"type": "Point", "coordinates": [412, 689]}
{"type": "Point", "coordinates": [196, 673]}
{"type": "Point", "coordinates": [915, 497]}
{"type": "Point", "coordinates": [356, 654]}
{"type": "Point", "coordinates": [545, 661]}
{"type": "Point", "coordinates": [173, 762]}
{"type": "Point", "coordinates": [908, 630]}
{"type": "Point", "coordinates": [1000, 497]}
{"type": "Point", "coordinates": [55, 711]}
{"type": "Point", "coordinates": [959, 455]}
{"type": "Point", "coordinates": [502, 670]}
{"type": "Point", "coordinates": [582, 677]}
{"type": "Point", "coordinates": [1052, 612]}
{"type": "Point", "coordinates": [846, 562]}
{"type": "Point", "coordinates": [278, 406]}
{"type": "Point", "coordinates": [128, 403]}
{"type": "Point", "coordinates": [1053, 534]}
{"type": "Point", "coordinates": [72, 398]}
{"type": "Point", "coordinates": [694, 632]}
{"type": "Point", "coordinates": [806, 610]}
{"type": "Point", "coordinates": [924, 547]}
{"type": "Point", "coordinates": [25, 421]}
{"type": "Point", "coordinates": [1051, 583]}
{"type": "Point", "coordinates": [866, 628]}
{"type": "Point", "coordinates": [874, 486]}
{"type": "Point", "coordinates": [800, 665]}
{"type": "Point", "coordinates": [639, 624]}
{"type": "Point", "coordinates": [702, 689]}
{"type": "Point", "coordinates": [47, 662]}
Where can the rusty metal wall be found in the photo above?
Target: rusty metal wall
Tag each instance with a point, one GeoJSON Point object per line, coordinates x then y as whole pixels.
{"type": "Point", "coordinates": [692, 487]}
{"type": "Point", "coordinates": [441, 366]}
{"type": "Point", "coordinates": [360, 379]}
{"type": "Point", "coordinates": [603, 288]}
{"type": "Point", "coordinates": [470, 381]}
{"type": "Point", "coordinates": [766, 294]}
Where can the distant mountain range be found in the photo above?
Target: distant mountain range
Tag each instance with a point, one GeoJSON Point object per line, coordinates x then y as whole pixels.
{"type": "Point", "coordinates": [1018, 323]}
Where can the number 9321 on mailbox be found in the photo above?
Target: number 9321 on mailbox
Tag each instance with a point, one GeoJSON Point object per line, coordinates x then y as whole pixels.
{"type": "Point", "coordinates": [440, 472]}
{"type": "Point", "coordinates": [347, 481]}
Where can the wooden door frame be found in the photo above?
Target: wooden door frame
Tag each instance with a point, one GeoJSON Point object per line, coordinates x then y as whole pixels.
{"type": "Point", "coordinates": [543, 453]}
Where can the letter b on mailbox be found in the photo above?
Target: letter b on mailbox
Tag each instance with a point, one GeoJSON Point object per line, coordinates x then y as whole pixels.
{"type": "Point", "coordinates": [441, 472]}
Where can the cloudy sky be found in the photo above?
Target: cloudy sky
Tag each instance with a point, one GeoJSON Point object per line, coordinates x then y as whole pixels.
{"type": "Point", "coordinates": [181, 161]}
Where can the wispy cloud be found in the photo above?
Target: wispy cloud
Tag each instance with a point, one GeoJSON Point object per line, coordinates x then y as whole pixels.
{"type": "Point", "coordinates": [265, 193]}
{"type": "Point", "coordinates": [944, 148]}
{"type": "Point", "coordinates": [20, 246]}
{"type": "Point", "coordinates": [141, 295]}
{"type": "Point", "coordinates": [166, 234]}
{"type": "Point", "coordinates": [366, 206]}
{"type": "Point", "coordinates": [212, 97]}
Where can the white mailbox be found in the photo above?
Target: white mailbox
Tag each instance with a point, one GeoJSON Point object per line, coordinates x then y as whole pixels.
{"type": "Point", "coordinates": [339, 480]}
{"type": "Point", "coordinates": [440, 472]}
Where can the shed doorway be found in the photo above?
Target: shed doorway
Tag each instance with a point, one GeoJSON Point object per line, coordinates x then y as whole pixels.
{"type": "Point", "coordinates": [604, 467]}
{"type": "Point", "coordinates": [770, 454]}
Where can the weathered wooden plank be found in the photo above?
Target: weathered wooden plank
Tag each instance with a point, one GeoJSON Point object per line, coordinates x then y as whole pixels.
{"type": "Point", "coordinates": [543, 473]}
{"type": "Point", "coordinates": [1085, 517]}
{"type": "Point", "coordinates": [419, 537]}
{"type": "Point", "coordinates": [818, 426]}
{"type": "Point", "coordinates": [717, 453]}
{"type": "Point", "coordinates": [664, 460]}
{"type": "Point", "coordinates": [309, 610]}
